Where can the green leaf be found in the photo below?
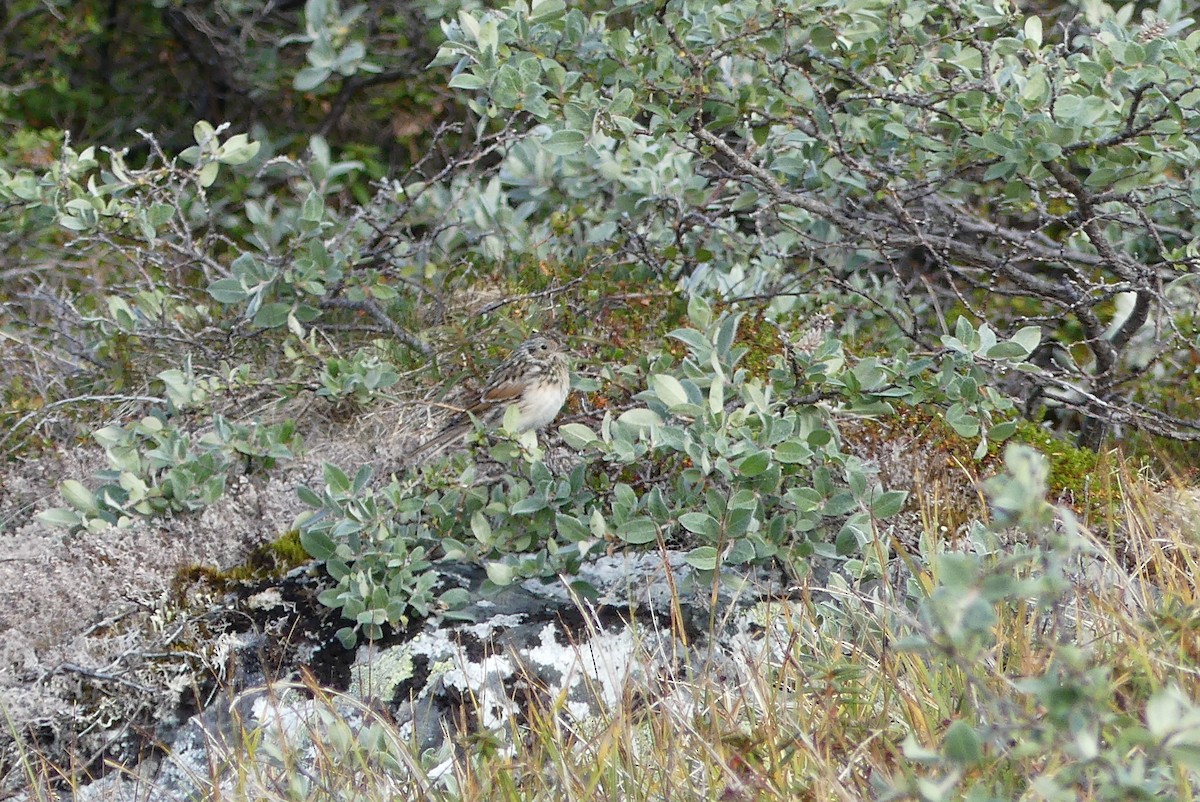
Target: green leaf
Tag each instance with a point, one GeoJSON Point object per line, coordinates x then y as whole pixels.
{"type": "Point", "coordinates": [500, 574]}
{"type": "Point", "coordinates": [703, 558]}
{"type": "Point", "coordinates": [318, 544]}
{"type": "Point", "coordinates": [596, 523]}
{"type": "Point", "coordinates": [822, 37]}
{"type": "Point", "coordinates": [1002, 431]}
{"type": "Point", "coordinates": [72, 223]}
{"type": "Point", "coordinates": [638, 531]}
{"type": "Point", "coordinates": [1033, 30]}
{"type": "Point", "coordinates": [962, 743]}
{"type": "Point", "coordinates": [272, 315]}
{"type": "Point", "coordinates": [481, 528]}
{"type": "Point", "coordinates": [793, 451]}
{"type": "Point", "coordinates": [585, 590]}
{"type": "Point", "coordinates": [668, 389]}
{"type": "Point", "coordinates": [1187, 755]}
{"type": "Point", "coordinates": [455, 598]}
{"type": "Point", "coordinates": [716, 396]}
{"type": "Point", "coordinates": [60, 516]}
{"type": "Point", "coordinates": [699, 312]}
{"type": "Point", "coordinates": [1001, 169]}
{"type": "Point", "coordinates": [725, 334]}
{"type": "Point", "coordinates": [336, 478]}
{"type": "Point", "coordinates": [227, 291]}
{"type": "Point", "coordinates": [309, 497]}
{"type": "Point", "coordinates": [347, 637]}
{"type": "Point", "coordinates": [1047, 151]}
{"type": "Point", "coordinates": [1028, 338]}
{"type": "Point", "coordinates": [545, 10]}
{"type": "Point", "coordinates": [527, 506]}
{"type": "Point", "coordinates": [753, 464]}
{"type": "Point", "coordinates": [576, 435]}
{"type": "Point", "coordinates": [847, 541]}
{"type": "Point", "coordinates": [700, 523]}
{"type": "Point", "coordinates": [964, 332]}
{"type": "Point", "coordinates": [361, 477]}
{"type": "Point", "coordinates": [238, 150]}
{"type": "Point", "coordinates": [79, 497]}
{"type": "Point", "coordinates": [467, 81]}
{"type": "Point", "coordinates": [695, 341]}
{"type": "Point", "coordinates": [962, 421]}
{"type": "Point", "coordinates": [1007, 350]}
{"type": "Point", "coordinates": [204, 134]}
{"type": "Point", "coordinates": [310, 78]}
{"type": "Point", "coordinates": [208, 174]}
{"type": "Point", "coordinates": [313, 209]}
{"type": "Point", "coordinates": [888, 504]}
{"type": "Point", "coordinates": [565, 142]}
{"type": "Point", "coordinates": [640, 418]}
{"type": "Point", "coordinates": [570, 527]}
{"type": "Point", "coordinates": [804, 499]}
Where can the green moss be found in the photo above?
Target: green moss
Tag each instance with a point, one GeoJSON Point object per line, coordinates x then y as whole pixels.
{"type": "Point", "coordinates": [268, 561]}
{"type": "Point", "coordinates": [272, 560]}
{"type": "Point", "coordinates": [287, 551]}
{"type": "Point", "coordinates": [1078, 476]}
{"type": "Point", "coordinates": [761, 338]}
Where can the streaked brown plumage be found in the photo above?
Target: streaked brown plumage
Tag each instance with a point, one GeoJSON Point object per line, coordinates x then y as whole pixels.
{"type": "Point", "coordinates": [533, 378]}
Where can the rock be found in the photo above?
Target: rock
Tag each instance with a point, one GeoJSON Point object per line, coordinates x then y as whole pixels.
{"type": "Point", "coordinates": [482, 669]}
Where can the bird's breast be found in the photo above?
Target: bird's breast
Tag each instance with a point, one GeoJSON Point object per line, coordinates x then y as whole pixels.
{"type": "Point", "coordinates": [541, 403]}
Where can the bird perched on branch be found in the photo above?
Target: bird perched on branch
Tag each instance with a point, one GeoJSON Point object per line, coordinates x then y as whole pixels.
{"type": "Point", "coordinates": [534, 379]}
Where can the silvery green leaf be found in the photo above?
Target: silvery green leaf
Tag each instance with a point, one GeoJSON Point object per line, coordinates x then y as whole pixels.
{"type": "Point", "coordinates": [694, 340]}
{"type": "Point", "coordinates": [716, 396]}
{"type": "Point", "coordinates": [1006, 350]}
{"type": "Point", "coordinates": [700, 523]}
{"type": "Point", "coordinates": [79, 497]}
{"type": "Point", "coordinates": [576, 435]}
{"type": "Point", "coordinates": [60, 516]}
{"type": "Point", "coordinates": [703, 558]}
{"type": "Point", "coordinates": [565, 142]}
{"type": "Point", "coordinates": [1028, 338]}
{"type": "Point", "coordinates": [668, 389]}
{"type": "Point", "coordinates": [500, 574]}
{"type": "Point", "coordinates": [640, 418]}
{"type": "Point", "coordinates": [888, 503]}
{"type": "Point", "coordinates": [638, 531]}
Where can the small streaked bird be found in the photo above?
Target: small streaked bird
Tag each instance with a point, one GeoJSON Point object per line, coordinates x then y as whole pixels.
{"type": "Point", "coordinates": [534, 379]}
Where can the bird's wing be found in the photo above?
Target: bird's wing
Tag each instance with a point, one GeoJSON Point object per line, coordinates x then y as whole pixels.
{"type": "Point", "coordinates": [504, 392]}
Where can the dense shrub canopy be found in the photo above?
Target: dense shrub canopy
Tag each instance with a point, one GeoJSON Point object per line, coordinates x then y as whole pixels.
{"type": "Point", "coordinates": [919, 163]}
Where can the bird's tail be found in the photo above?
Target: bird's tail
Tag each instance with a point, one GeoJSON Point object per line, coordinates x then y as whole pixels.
{"type": "Point", "coordinates": [439, 441]}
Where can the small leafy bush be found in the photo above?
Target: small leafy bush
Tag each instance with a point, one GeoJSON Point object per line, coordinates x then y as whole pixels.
{"type": "Point", "coordinates": [714, 462]}
{"type": "Point", "coordinates": [379, 574]}
{"type": "Point", "coordinates": [157, 468]}
{"type": "Point", "coordinates": [736, 470]}
{"type": "Point", "coordinates": [357, 378]}
{"type": "Point", "coordinates": [1060, 721]}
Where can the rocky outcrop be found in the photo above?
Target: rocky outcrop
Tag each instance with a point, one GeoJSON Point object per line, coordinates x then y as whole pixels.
{"type": "Point", "coordinates": [651, 624]}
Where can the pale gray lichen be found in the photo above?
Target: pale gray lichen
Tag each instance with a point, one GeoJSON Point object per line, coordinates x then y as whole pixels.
{"type": "Point", "coordinates": [381, 673]}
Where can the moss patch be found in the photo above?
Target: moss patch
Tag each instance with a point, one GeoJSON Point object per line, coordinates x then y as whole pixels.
{"type": "Point", "coordinates": [269, 561]}
{"type": "Point", "coordinates": [1084, 479]}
